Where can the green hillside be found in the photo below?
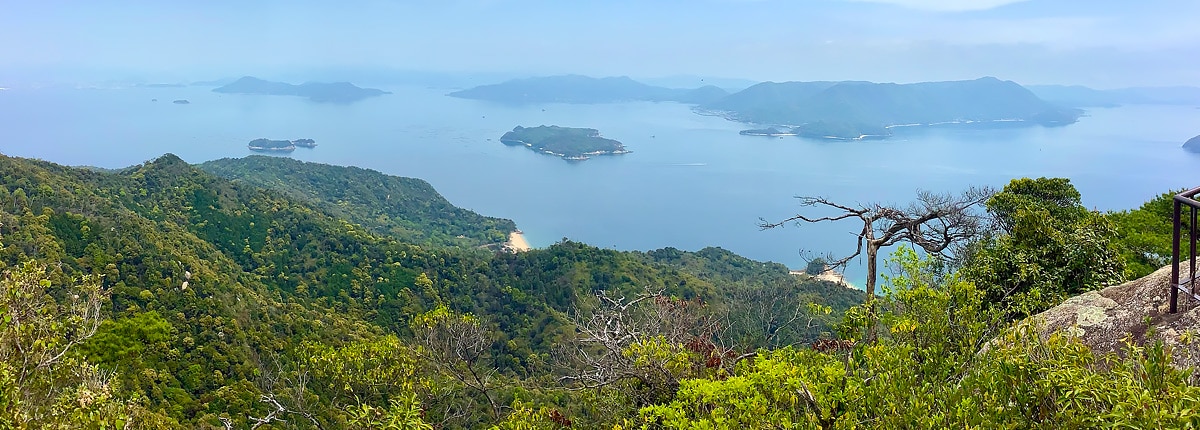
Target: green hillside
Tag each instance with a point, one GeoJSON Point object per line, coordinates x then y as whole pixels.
{"type": "Point", "coordinates": [407, 209]}
{"type": "Point", "coordinates": [221, 292]}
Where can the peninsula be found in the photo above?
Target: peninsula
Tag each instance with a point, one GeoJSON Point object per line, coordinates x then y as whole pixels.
{"type": "Point", "coordinates": [336, 92]}
{"type": "Point", "coordinates": [769, 131]}
{"type": "Point", "coordinates": [575, 144]}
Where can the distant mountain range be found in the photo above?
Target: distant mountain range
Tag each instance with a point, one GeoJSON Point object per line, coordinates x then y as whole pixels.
{"type": "Point", "coordinates": [337, 92]}
{"type": "Point", "coordinates": [1080, 96]}
{"type": "Point", "coordinates": [843, 110]}
{"type": "Point", "coordinates": [584, 89]}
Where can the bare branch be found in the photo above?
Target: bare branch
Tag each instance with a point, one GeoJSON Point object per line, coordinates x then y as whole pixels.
{"type": "Point", "coordinates": [934, 222]}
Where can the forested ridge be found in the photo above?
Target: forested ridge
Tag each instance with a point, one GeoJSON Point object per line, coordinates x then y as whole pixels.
{"type": "Point", "coordinates": [220, 298]}
{"type": "Point", "coordinates": [407, 209]}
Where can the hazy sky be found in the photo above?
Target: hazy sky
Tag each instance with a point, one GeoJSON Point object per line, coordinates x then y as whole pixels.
{"type": "Point", "coordinates": [1102, 43]}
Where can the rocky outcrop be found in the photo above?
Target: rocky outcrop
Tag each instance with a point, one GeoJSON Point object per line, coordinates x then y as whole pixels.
{"type": "Point", "coordinates": [1136, 311]}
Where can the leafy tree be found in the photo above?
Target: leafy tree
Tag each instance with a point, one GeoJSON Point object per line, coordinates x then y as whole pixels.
{"type": "Point", "coordinates": [43, 382]}
{"type": "Point", "coordinates": [816, 266]}
{"type": "Point", "coordinates": [1144, 235]}
{"type": "Point", "coordinates": [1049, 247]}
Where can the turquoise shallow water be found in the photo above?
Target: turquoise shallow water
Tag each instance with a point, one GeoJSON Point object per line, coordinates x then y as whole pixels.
{"type": "Point", "coordinates": [690, 182]}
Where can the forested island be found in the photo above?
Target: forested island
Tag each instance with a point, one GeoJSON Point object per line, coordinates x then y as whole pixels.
{"type": "Point", "coordinates": [574, 144]}
{"type": "Point", "coordinates": [337, 92]}
{"type": "Point", "coordinates": [861, 110]}
{"type": "Point", "coordinates": [270, 145]}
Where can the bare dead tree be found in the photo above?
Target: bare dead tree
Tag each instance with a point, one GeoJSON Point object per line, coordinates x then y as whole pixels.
{"type": "Point", "coordinates": [285, 392]}
{"type": "Point", "coordinates": [769, 316]}
{"type": "Point", "coordinates": [934, 222]}
{"type": "Point", "coordinates": [600, 354]}
{"type": "Point", "coordinates": [458, 345]}
{"type": "Point", "coordinates": [39, 332]}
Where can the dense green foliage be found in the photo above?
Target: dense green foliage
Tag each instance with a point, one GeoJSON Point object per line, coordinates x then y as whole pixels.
{"type": "Point", "coordinates": [167, 297]}
{"type": "Point", "coordinates": [1048, 247]}
{"type": "Point", "coordinates": [851, 109]}
{"type": "Point", "coordinates": [583, 89]}
{"type": "Point", "coordinates": [1144, 235]}
{"type": "Point", "coordinates": [933, 371]}
{"type": "Point", "coordinates": [563, 141]}
{"type": "Point", "coordinates": [406, 209]}
{"type": "Point", "coordinates": [223, 294]}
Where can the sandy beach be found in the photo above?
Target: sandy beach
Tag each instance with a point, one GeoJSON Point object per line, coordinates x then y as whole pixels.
{"type": "Point", "coordinates": [829, 275]}
{"type": "Point", "coordinates": [517, 242]}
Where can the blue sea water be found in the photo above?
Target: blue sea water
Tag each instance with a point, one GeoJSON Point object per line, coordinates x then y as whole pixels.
{"type": "Point", "coordinates": [690, 182]}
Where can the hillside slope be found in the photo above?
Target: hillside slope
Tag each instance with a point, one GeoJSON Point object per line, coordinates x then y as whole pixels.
{"type": "Point", "coordinates": [215, 283]}
{"type": "Point", "coordinates": [407, 209]}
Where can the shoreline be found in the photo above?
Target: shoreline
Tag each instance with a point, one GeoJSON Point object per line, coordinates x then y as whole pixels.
{"type": "Point", "coordinates": [517, 242]}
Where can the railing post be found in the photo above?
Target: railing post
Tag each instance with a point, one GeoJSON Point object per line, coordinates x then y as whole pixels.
{"type": "Point", "coordinates": [1175, 257]}
{"type": "Point", "coordinates": [1192, 253]}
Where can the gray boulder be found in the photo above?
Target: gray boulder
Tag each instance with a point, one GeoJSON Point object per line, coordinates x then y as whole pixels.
{"type": "Point", "coordinates": [1135, 311]}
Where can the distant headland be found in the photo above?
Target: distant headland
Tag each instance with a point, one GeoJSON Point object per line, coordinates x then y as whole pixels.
{"type": "Point", "coordinates": [574, 144]}
{"type": "Point", "coordinates": [1192, 145]}
{"type": "Point", "coordinates": [269, 145]}
{"type": "Point", "coordinates": [336, 92]}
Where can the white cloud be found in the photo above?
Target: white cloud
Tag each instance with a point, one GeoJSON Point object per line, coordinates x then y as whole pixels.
{"type": "Point", "coordinates": [945, 5]}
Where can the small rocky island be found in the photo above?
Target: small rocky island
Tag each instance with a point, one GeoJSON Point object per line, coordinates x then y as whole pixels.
{"type": "Point", "coordinates": [573, 144]}
{"type": "Point", "coordinates": [180, 102]}
{"type": "Point", "coordinates": [269, 145]}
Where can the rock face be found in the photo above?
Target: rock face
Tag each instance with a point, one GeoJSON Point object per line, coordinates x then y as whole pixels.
{"type": "Point", "coordinates": [1192, 144]}
{"type": "Point", "coordinates": [1136, 310]}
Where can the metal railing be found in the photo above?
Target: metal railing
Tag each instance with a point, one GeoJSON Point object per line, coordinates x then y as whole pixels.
{"type": "Point", "coordinates": [1186, 198]}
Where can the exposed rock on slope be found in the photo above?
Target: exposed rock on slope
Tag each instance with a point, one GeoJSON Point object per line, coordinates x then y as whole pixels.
{"type": "Point", "coordinates": [1136, 310]}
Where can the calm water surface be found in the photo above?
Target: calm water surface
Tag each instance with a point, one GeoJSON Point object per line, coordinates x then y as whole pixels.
{"type": "Point", "coordinates": [690, 182]}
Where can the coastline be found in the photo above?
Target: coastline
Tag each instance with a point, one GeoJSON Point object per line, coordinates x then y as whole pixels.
{"type": "Point", "coordinates": [516, 242]}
